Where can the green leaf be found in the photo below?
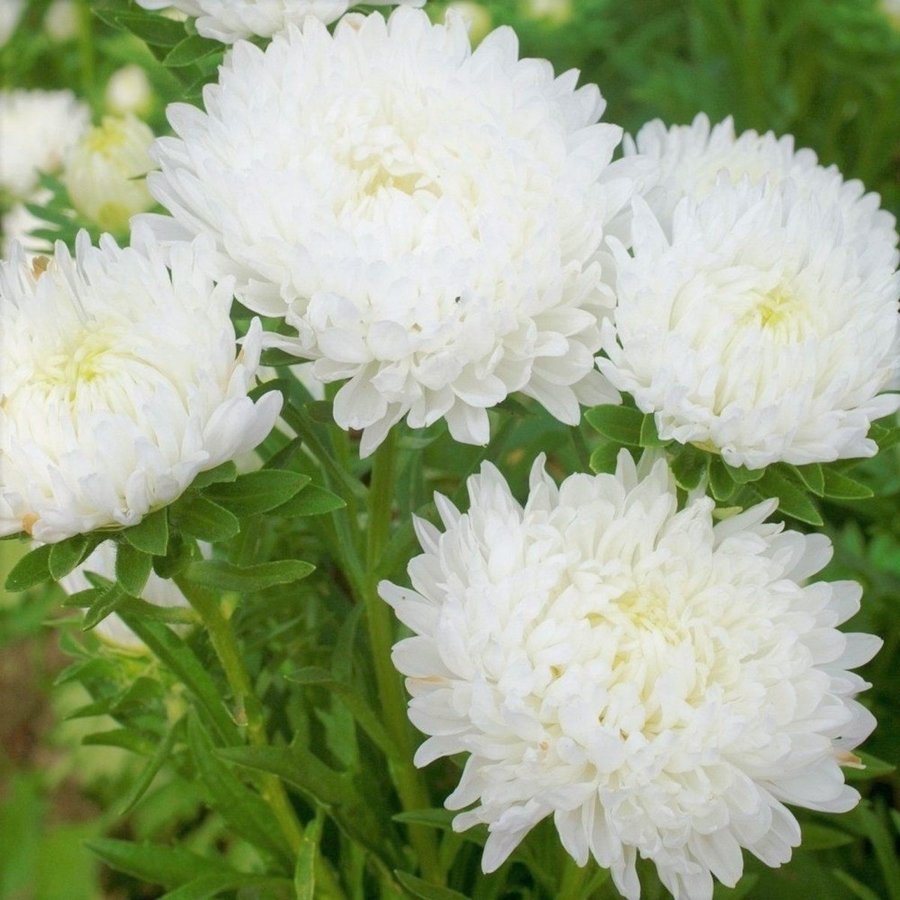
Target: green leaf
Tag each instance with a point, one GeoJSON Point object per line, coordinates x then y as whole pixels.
{"type": "Point", "coordinates": [189, 51]}
{"type": "Point", "coordinates": [649, 436]}
{"type": "Point", "coordinates": [874, 768]}
{"type": "Point", "coordinates": [151, 534]}
{"type": "Point", "coordinates": [154, 863]}
{"type": "Point", "coordinates": [812, 476]}
{"type": "Point", "coordinates": [424, 890]}
{"type": "Point", "coordinates": [212, 885]}
{"type": "Point", "coordinates": [229, 577]}
{"type": "Point", "coordinates": [689, 467]}
{"type": "Point", "coordinates": [157, 31]}
{"type": "Point", "coordinates": [841, 487]}
{"type": "Point", "coordinates": [743, 475]}
{"type": "Point", "coordinates": [133, 568]}
{"type": "Point", "coordinates": [791, 499]}
{"type": "Point", "coordinates": [274, 357]}
{"type": "Point", "coordinates": [178, 656]}
{"type": "Point", "coordinates": [104, 605]}
{"type": "Point", "coordinates": [621, 424]}
{"type": "Point", "coordinates": [721, 483]}
{"type": "Point", "coordinates": [311, 501]}
{"type": "Point", "coordinates": [258, 492]}
{"type": "Point", "coordinates": [305, 869]}
{"type": "Point", "coordinates": [157, 760]}
{"type": "Point", "coordinates": [124, 738]}
{"type": "Point", "coordinates": [604, 458]}
{"type": "Point", "coordinates": [201, 518]}
{"type": "Point", "coordinates": [227, 471]}
{"type": "Point", "coordinates": [857, 888]}
{"type": "Point", "coordinates": [179, 555]}
{"type": "Point", "coordinates": [359, 708]}
{"type": "Point", "coordinates": [67, 554]}
{"type": "Point", "coordinates": [885, 436]}
{"type": "Point", "coordinates": [31, 569]}
{"type": "Point", "coordinates": [244, 810]}
{"type": "Point", "coordinates": [821, 837]}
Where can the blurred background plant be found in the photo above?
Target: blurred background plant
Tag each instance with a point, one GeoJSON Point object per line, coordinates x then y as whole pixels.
{"type": "Point", "coordinates": [71, 768]}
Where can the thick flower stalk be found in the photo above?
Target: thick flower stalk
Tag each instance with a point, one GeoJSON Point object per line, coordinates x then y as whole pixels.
{"type": "Point", "coordinates": [119, 382]}
{"type": "Point", "coordinates": [430, 219]}
{"type": "Point", "coordinates": [231, 20]}
{"type": "Point", "coordinates": [757, 310]}
{"type": "Point", "coordinates": [659, 683]}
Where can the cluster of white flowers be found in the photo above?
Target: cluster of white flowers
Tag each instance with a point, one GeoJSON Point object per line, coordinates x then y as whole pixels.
{"type": "Point", "coordinates": [658, 683]}
{"type": "Point", "coordinates": [118, 384]}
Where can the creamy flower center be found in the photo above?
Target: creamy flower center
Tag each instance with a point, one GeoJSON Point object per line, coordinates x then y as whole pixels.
{"type": "Point", "coordinates": [84, 358]}
{"type": "Point", "coordinates": [779, 312]}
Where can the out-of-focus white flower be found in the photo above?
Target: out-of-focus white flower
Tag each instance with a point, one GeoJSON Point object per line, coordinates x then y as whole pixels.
{"type": "Point", "coordinates": [61, 20]}
{"type": "Point", "coordinates": [892, 11]}
{"type": "Point", "coordinates": [129, 91]}
{"type": "Point", "coordinates": [762, 326]}
{"type": "Point", "coordinates": [555, 12]}
{"type": "Point", "coordinates": [429, 218]}
{"type": "Point", "coordinates": [476, 16]}
{"type": "Point", "coordinates": [104, 172]}
{"type": "Point", "coordinates": [660, 684]}
{"type": "Point", "coordinates": [10, 11]}
{"type": "Point", "coordinates": [160, 591]}
{"type": "Point", "coordinates": [36, 130]}
{"type": "Point", "coordinates": [118, 384]}
{"type": "Point", "coordinates": [230, 20]}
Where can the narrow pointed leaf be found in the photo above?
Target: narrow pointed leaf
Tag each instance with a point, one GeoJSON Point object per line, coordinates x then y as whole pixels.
{"type": "Point", "coordinates": [258, 492]}
{"type": "Point", "coordinates": [31, 569]}
{"type": "Point", "coordinates": [812, 476]}
{"type": "Point", "coordinates": [792, 501]}
{"type": "Point", "coordinates": [842, 487]}
{"type": "Point", "coordinates": [311, 501]}
{"type": "Point", "coordinates": [425, 890]}
{"type": "Point", "coordinates": [206, 887]}
{"type": "Point", "coordinates": [154, 863]}
{"type": "Point", "coordinates": [189, 50]}
{"type": "Point", "coordinates": [66, 555]}
{"type": "Point", "coordinates": [247, 579]}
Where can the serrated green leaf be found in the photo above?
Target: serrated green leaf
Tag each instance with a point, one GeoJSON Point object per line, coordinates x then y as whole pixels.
{"type": "Point", "coordinates": [689, 467]}
{"type": "Point", "coordinates": [649, 436]}
{"type": "Point", "coordinates": [791, 499]}
{"type": "Point", "coordinates": [258, 492]}
{"type": "Point", "coordinates": [154, 863]}
{"type": "Point", "coordinates": [190, 50]}
{"type": "Point", "coordinates": [151, 534]}
{"type": "Point", "coordinates": [811, 476]}
{"type": "Point", "coordinates": [842, 487]}
{"type": "Point", "coordinates": [244, 810]}
{"type": "Point", "coordinates": [603, 458]}
{"type": "Point", "coordinates": [621, 424]}
{"type": "Point", "coordinates": [247, 579]}
{"type": "Point", "coordinates": [155, 30]}
{"type": "Point", "coordinates": [133, 568]}
{"type": "Point", "coordinates": [201, 518]}
{"type": "Point", "coordinates": [425, 890]}
{"type": "Point", "coordinates": [311, 501]}
{"type": "Point", "coordinates": [66, 555]}
{"type": "Point", "coordinates": [31, 569]}
{"type": "Point", "coordinates": [721, 484]}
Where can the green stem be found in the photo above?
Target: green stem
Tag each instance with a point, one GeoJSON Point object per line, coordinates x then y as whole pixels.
{"type": "Point", "coordinates": [408, 780]}
{"type": "Point", "coordinates": [225, 644]}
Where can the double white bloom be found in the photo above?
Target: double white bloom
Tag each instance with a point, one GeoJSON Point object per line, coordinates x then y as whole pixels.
{"type": "Point", "coordinates": [118, 384]}
{"type": "Point", "coordinates": [430, 219]}
{"type": "Point", "coordinates": [757, 313]}
{"type": "Point", "coordinates": [658, 683]}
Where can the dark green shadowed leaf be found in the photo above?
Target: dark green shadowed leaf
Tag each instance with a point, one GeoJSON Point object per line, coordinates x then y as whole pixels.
{"type": "Point", "coordinates": [305, 869]}
{"type": "Point", "coordinates": [104, 605]}
{"type": "Point", "coordinates": [31, 569]}
{"type": "Point", "coordinates": [229, 577]}
{"type": "Point", "coordinates": [689, 467]}
{"type": "Point", "coordinates": [156, 30]}
{"type": "Point", "coordinates": [311, 501]}
{"type": "Point", "coordinates": [227, 471]}
{"type": "Point", "coordinates": [649, 436]}
{"type": "Point", "coordinates": [133, 568]}
{"type": "Point", "coordinates": [190, 50]}
{"type": "Point", "coordinates": [157, 864]}
{"type": "Point", "coordinates": [66, 555]}
{"type": "Point", "coordinates": [258, 492]}
{"type": "Point", "coordinates": [206, 887]}
{"type": "Point", "coordinates": [151, 534]}
{"type": "Point", "coordinates": [619, 423]}
{"type": "Point", "coordinates": [603, 458]}
{"type": "Point", "coordinates": [203, 519]}
{"type": "Point", "coordinates": [424, 890]}
{"type": "Point", "coordinates": [721, 484]}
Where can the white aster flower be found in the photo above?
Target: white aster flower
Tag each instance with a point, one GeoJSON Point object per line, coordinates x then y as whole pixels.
{"type": "Point", "coordinates": [112, 630]}
{"type": "Point", "coordinates": [129, 91]}
{"type": "Point", "coordinates": [118, 384]}
{"type": "Point", "coordinates": [428, 217]}
{"type": "Point", "coordinates": [10, 12]}
{"type": "Point", "coordinates": [761, 326]}
{"type": "Point", "coordinates": [104, 172]}
{"type": "Point", "coordinates": [61, 20]}
{"type": "Point", "coordinates": [231, 20]}
{"type": "Point", "coordinates": [660, 684]}
{"type": "Point", "coordinates": [36, 130]}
